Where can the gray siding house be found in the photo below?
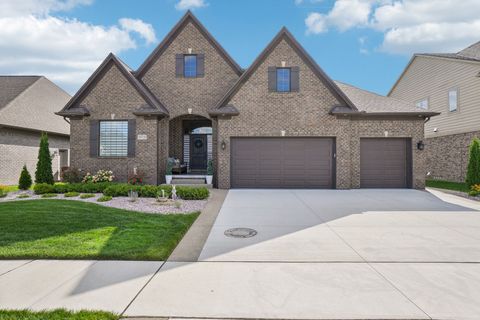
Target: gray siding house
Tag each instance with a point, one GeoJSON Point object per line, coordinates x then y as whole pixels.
{"type": "Point", "coordinates": [447, 83]}
{"type": "Point", "coordinates": [281, 123]}
{"type": "Point", "coordinates": [27, 108]}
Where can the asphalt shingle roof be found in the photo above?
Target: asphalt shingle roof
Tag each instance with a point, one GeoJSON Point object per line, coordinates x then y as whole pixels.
{"type": "Point", "coordinates": [471, 53]}
{"type": "Point", "coordinates": [12, 86]}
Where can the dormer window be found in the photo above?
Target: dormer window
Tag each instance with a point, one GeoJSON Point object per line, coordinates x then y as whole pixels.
{"type": "Point", "coordinates": [283, 79]}
{"type": "Point", "coordinates": [190, 66]}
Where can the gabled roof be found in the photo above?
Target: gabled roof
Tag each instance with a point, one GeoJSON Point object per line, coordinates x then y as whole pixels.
{"type": "Point", "coordinates": [155, 107]}
{"type": "Point", "coordinates": [284, 34]}
{"type": "Point", "coordinates": [32, 103]}
{"type": "Point", "coordinates": [188, 17]}
{"type": "Point", "coordinates": [369, 103]}
{"type": "Point", "coordinates": [12, 86]}
{"type": "Point", "coordinates": [470, 53]}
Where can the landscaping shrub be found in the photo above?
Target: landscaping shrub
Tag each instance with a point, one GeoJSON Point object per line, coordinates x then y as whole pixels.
{"type": "Point", "coordinates": [191, 193]}
{"type": "Point", "coordinates": [104, 198]}
{"type": "Point", "coordinates": [475, 190]}
{"type": "Point", "coordinates": [23, 196]}
{"type": "Point", "coordinates": [87, 195]}
{"type": "Point", "coordinates": [81, 187]}
{"type": "Point", "coordinates": [71, 194]}
{"type": "Point", "coordinates": [49, 195]}
{"type": "Point", "coordinates": [42, 188]}
{"type": "Point", "coordinates": [100, 176]}
{"type": "Point", "coordinates": [61, 188]}
{"type": "Point", "coordinates": [3, 193]}
{"type": "Point", "coordinates": [43, 174]}
{"type": "Point", "coordinates": [25, 181]}
{"type": "Point", "coordinates": [151, 191]}
{"type": "Point", "coordinates": [473, 169]}
{"type": "Point", "coordinates": [72, 175]}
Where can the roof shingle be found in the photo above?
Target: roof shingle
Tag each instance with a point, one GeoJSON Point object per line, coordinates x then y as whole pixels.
{"type": "Point", "coordinates": [12, 86]}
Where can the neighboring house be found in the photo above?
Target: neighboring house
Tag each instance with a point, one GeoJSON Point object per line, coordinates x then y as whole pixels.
{"type": "Point", "coordinates": [448, 83]}
{"type": "Point", "coordinates": [27, 108]}
{"type": "Point", "coordinates": [282, 123]}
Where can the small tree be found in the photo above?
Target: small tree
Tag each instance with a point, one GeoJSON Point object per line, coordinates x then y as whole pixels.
{"type": "Point", "coordinates": [25, 181]}
{"type": "Point", "coordinates": [43, 174]}
{"type": "Point", "coordinates": [473, 169]}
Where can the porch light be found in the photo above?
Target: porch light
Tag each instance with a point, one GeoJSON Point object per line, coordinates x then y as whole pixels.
{"type": "Point", "coordinates": [223, 145]}
{"type": "Point", "coordinates": [282, 133]}
{"type": "Point", "coordinates": [190, 110]}
{"type": "Point", "coordinates": [420, 145]}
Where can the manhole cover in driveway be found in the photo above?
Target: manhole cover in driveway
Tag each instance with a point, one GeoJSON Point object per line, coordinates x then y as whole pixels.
{"type": "Point", "coordinates": [240, 232]}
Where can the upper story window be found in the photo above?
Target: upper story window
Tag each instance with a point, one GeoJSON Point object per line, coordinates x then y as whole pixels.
{"type": "Point", "coordinates": [113, 140]}
{"type": "Point", "coordinates": [453, 100]}
{"type": "Point", "coordinates": [190, 66]}
{"type": "Point", "coordinates": [283, 80]}
{"type": "Point", "coordinates": [422, 104]}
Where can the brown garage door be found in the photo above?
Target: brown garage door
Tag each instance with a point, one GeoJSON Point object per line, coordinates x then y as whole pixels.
{"type": "Point", "coordinates": [385, 163]}
{"type": "Point", "coordinates": [282, 162]}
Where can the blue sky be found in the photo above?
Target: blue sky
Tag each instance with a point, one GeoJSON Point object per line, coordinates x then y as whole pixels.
{"type": "Point", "coordinates": [366, 43]}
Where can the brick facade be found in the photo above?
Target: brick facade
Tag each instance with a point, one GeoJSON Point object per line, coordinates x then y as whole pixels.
{"type": "Point", "coordinates": [19, 147]}
{"type": "Point", "coordinates": [262, 113]}
{"type": "Point", "coordinates": [447, 156]}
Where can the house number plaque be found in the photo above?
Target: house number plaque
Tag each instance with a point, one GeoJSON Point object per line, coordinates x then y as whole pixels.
{"type": "Point", "coordinates": [142, 137]}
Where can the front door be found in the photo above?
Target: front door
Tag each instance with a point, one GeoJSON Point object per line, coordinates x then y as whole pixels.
{"type": "Point", "coordinates": [198, 151]}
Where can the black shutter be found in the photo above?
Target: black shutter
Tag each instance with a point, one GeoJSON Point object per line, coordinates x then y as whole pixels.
{"type": "Point", "coordinates": [132, 134]}
{"type": "Point", "coordinates": [94, 137]}
{"type": "Point", "coordinates": [200, 65]}
{"type": "Point", "coordinates": [179, 65]}
{"type": "Point", "coordinates": [295, 79]}
{"type": "Point", "coordinates": [272, 79]}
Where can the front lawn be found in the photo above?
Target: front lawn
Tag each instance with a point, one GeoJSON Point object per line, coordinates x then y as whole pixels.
{"type": "Point", "coordinates": [56, 315]}
{"type": "Point", "coordinates": [449, 185]}
{"type": "Point", "coordinates": [65, 229]}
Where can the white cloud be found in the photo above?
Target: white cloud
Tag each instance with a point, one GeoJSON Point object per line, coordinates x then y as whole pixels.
{"type": "Point", "coordinates": [408, 25]}
{"type": "Point", "coordinates": [10, 8]}
{"type": "Point", "coordinates": [145, 30]}
{"type": "Point", "coordinates": [67, 51]}
{"type": "Point", "coordinates": [190, 4]}
{"type": "Point", "coordinates": [344, 15]}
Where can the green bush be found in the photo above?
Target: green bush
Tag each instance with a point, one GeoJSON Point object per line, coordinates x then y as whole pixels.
{"type": "Point", "coordinates": [42, 188]}
{"type": "Point", "coordinates": [104, 198]}
{"type": "Point", "coordinates": [23, 196]}
{"type": "Point", "coordinates": [72, 175]}
{"type": "Point", "coordinates": [49, 195]}
{"type": "Point", "coordinates": [71, 194]}
{"type": "Point", "coordinates": [43, 174]}
{"type": "Point", "coordinates": [25, 181]}
{"type": "Point", "coordinates": [3, 193]}
{"type": "Point", "coordinates": [473, 169]}
{"type": "Point", "coordinates": [192, 193]}
{"type": "Point", "coordinates": [87, 195]}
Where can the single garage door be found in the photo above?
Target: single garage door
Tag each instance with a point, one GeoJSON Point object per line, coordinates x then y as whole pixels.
{"type": "Point", "coordinates": [385, 163]}
{"type": "Point", "coordinates": [282, 162]}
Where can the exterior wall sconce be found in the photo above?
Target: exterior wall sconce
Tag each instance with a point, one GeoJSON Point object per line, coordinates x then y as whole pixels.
{"type": "Point", "coordinates": [282, 133]}
{"type": "Point", "coordinates": [223, 145]}
{"type": "Point", "coordinates": [420, 145]}
{"type": "Point", "coordinates": [190, 110]}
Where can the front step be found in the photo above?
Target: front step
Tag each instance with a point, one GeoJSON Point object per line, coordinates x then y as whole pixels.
{"type": "Point", "coordinates": [188, 181]}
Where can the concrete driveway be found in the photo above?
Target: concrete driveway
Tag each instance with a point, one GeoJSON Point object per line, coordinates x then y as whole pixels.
{"type": "Point", "coordinates": [353, 254]}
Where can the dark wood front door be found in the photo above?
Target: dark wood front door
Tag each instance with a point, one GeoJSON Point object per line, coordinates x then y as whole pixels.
{"type": "Point", "coordinates": [198, 151]}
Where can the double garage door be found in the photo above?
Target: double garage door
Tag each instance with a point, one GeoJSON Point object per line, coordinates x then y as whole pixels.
{"type": "Point", "coordinates": [310, 163]}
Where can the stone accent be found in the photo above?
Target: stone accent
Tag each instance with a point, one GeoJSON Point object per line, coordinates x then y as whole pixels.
{"type": "Point", "coordinates": [305, 113]}
{"type": "Point", "coordinates": [19, 147]}
{"type": "Point", "coordinates": [114, 97]}
{"type": "Point", "coordinates": [447, 156]}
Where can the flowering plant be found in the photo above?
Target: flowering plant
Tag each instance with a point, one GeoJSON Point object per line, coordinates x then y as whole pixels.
{"type": "Point", "coordinates": [100, 176]}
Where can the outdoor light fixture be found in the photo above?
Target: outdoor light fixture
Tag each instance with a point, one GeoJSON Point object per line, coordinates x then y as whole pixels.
{"type": "Point", "coordinates": [223, 145]}
{"type": "Point", "coordinates": [190, 110]}
{"type": "Point", "coordinates": [282, 133]}
{"type": "Point", "coordinates": [420, 145]}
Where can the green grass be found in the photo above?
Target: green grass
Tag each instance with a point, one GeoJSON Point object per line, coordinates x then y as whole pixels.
{"type": "Point", "coordinates": [65, 229]}
{"type": "Point", "coordinates": [56, 315]}
{"type": "Point", "coordinates": [449, 185]}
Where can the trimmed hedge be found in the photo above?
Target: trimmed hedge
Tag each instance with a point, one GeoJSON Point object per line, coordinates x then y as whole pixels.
{"type": "Point", "coordinates": [122, 189]}
{"type": "Point", "coordinates": [150, 191]}
{"type": "Point", "coordinates": [42, 188]}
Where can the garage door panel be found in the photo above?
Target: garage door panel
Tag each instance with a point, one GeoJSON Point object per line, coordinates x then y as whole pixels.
{"type": "Point", "coordinates": [384, 163]}
{"type": "Point", "coordinates": [282, 163]}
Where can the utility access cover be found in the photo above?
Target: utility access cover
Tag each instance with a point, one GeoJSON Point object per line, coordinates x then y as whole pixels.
{"type": "Point", "coordinates": [240, 232]}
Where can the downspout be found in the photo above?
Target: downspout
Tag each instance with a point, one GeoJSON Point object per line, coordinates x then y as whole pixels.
{"type": "Point", "coordinates": [426, 119]}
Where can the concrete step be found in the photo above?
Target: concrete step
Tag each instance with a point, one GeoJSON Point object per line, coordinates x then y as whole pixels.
{"type": "Point", "coordinates": [208, 186]}
{"type": "Point", "coordinates": [188, 181]}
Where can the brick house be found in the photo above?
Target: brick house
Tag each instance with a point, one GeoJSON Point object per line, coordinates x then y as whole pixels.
{"type": "Point", "coordinates": [447, 83]}
{"type": "Point", "coordinates": [27, 108]}
{"type": "Point", "coordinates": [281, 123]}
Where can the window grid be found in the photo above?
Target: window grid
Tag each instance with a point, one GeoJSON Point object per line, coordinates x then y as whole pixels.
{"type": "Point", "coordinates": [422, 104]}
{"type": "Point", "coordinates": [190, 66]}
{"type": "Point", "coordinates": [453, 100]}
{"type": "Point", "coordinates": [113, 138]}
{"type": "Point", "coordinates": [283, 79]}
